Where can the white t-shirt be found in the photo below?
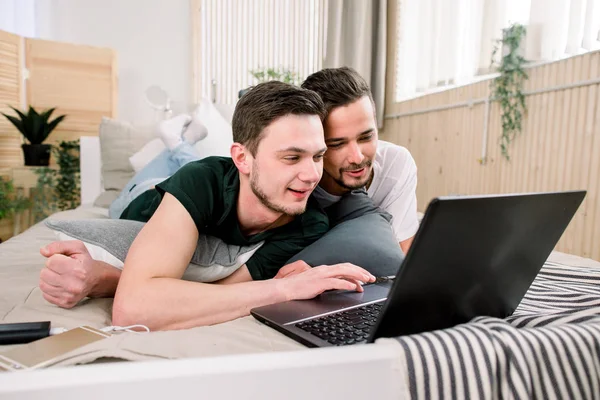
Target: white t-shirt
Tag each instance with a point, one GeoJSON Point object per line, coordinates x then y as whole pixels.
{"type": "Point", "coordinates": [393, 188]}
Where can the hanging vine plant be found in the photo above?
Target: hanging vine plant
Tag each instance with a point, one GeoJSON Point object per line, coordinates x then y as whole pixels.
{"type": "Point", "coordinates": [507, 88]}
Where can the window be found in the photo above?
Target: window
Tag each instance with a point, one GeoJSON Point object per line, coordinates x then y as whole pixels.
{"type": "Point", "coordinates": [442, 43]}
{"type": "Point", "coordinates": [237, 36]}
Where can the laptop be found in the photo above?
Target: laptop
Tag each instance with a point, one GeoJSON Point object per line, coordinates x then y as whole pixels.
{"type": "Point", "coordinates": [472, 256]}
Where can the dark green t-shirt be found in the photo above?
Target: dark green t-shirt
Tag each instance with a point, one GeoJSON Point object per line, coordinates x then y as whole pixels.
{"type": "Point", "coordinates": [209, 189]}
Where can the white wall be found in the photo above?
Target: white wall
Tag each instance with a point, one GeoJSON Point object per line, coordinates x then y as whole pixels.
{"type": "Point", "coordinates": [152, 39]}
{"type": "Point", "coordinates": [18, 17]}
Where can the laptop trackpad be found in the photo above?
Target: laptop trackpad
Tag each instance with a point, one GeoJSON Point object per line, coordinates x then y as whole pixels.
{"type": "Point", "coordinates": [331, 301]}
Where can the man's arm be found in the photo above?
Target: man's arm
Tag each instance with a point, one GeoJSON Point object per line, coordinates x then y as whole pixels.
{"type": "Point", "coordinates": [70, 274]}
{"type": "Point", "coordinates": [405, 244]}
{"type": "Point", "coordinates": [402, 205]}
{"type": "Point", "coordinates": [151, 291]}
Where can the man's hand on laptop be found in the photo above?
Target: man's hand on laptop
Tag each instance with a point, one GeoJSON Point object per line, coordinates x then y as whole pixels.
{"type": "Point", "coordinates": [298, 282]}
{"type": "Point", "coordinates": [294, 268]}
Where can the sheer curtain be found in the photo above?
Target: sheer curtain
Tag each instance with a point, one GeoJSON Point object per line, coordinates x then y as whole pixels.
{"type": "Point", "coordinates": [237, 36]}
{"type": "Point", "coordinates": [562, 28]}
{"type": "Point", "coordinates": [442, 42]}
{"type": "Point", "coordinates": [439, 43]}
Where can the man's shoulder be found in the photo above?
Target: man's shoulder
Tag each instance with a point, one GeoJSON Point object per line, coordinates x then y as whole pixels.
{"type": "Point", "coordinates": [392, 153]}
{"type": "Point", "coordinates": [394, 169]}
{"type": "Point", "coordinates": [210, 170]}
{"type": "Point", "coordinates": [206, 179]}
{"type": "Point", "coordinates": [394, 159]}
{"type": "Point", "coordinates": [216, 164]}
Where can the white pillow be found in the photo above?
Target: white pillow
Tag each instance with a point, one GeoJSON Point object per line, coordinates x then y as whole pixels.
{"type": "Point", "coordinates": [220, 137]}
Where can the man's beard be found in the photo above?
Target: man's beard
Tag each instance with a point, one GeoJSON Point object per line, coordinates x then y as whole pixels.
{"type": "Point", "coordinates": [354, 167]}
{"type": "Point", "coordinates": [264, 199]}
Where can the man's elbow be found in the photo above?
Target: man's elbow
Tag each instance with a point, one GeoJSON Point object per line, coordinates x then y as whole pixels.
{"type": "Point", "coordinates": [128, 309]}
{"type": "Point", "coordinates": [124, 312]}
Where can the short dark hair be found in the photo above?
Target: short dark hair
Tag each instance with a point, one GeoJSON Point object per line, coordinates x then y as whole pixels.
{"type": "Point", "coordinates": [266, 102]}
{"type": "Point", "coordinates": [338, 86]}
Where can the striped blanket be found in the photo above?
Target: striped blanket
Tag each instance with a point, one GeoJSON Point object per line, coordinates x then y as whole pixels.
{"type": "Point", "coordinates": [548, 349]}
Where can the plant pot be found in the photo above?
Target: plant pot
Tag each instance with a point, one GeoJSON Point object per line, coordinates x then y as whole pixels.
{"type": "Point", "coordinates": [36, 154]}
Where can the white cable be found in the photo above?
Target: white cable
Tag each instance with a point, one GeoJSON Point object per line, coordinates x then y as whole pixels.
{"type": "Point", "coordinates": [56, 331]}
{"type": "Point", "coordinates": [125, 328]}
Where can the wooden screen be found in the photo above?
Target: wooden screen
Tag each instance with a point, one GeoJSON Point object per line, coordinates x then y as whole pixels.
{"type": "Point", "coordinates": [10, 94]}
{"type": "Point", "coordinates": [80, 81]}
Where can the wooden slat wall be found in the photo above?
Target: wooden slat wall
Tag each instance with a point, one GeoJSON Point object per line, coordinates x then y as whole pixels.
{"type": "Point", "coordinates": [559, 148]}
{"type": "Point", "coordinates": [80, 81]}
{"type": "Point", "coordinates": [10, 94]}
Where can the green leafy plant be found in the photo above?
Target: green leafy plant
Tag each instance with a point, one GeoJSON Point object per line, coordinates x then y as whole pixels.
{"type": "Point", "coordinates": [272, 74]}
{"type": "Point", "coordinates": [11, 202]}
{"type": "Point", "coordinates": [35, 127]}
{"type": "Point", "coordinates": [275, 74]}
{"type": "Point", "coordinates": [507, 88]}
{"type": "Point", "coordinates": [58, 189]}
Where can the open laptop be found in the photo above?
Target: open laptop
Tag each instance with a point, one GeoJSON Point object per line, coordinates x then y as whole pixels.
{"type": "Point", "coordinates": [472, 256]}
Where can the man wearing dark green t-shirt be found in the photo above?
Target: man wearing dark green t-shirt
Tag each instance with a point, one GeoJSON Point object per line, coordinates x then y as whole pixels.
{"type": "Point", "coordinates": [208, 190]}
{"type": "Point", "coordinates": [259, 194]}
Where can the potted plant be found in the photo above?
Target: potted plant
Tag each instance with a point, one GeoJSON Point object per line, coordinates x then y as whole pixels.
{"type": "Point", "coordinates": [507, 88]}
{"type": "Point", "coordinates": [36, 128]}
{"type": "Point", "coordinates": [58, 189]}
{"type": "Point", "coordinates": [10, 202]}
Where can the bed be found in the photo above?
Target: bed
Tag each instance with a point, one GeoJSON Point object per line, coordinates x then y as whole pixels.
{"type": "Point", "coordinates": [549, 348]}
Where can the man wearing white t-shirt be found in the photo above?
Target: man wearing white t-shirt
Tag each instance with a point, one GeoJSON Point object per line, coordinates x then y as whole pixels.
{"type": "Point", "coordinates": [356, 158]}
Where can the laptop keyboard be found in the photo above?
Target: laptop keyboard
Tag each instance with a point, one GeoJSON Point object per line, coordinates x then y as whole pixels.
{"type": "Point", "coordinates": [347, 327]}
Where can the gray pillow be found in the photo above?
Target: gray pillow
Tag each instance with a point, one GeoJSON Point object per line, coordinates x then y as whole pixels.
{"type": "Point", "coordinates": [367, 241]}
{"type": "Point", "coordinates": [361, 235]}
{"type": "Point", "coordinates": [212, 260]}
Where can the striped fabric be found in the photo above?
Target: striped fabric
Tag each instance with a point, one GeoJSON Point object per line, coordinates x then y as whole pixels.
{"type": "Point", "coordinates": [548, 349]}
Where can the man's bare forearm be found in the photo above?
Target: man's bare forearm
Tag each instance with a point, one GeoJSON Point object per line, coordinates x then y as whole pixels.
{"type": "Point", "coordinates": [168, 303]}
{"type": "Point", "coordinates": [106, 280]}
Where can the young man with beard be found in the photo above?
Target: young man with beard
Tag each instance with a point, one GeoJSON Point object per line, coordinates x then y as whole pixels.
{"type": "Point", "coordinates": [355, 158]}
{"type": "Point", "coordinates": [259, 194]}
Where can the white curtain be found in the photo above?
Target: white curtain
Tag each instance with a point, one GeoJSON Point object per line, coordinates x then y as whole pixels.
{"type": "Point", "coordinates": [356, 37]}
{"type": "Point", "coordinates": [18, 17]}
{"type": "Point", "coordinates": [562, 28]}
{"type": "Point", "coordinates": [237, 36]}
{"type": "Point", "coordinates": [498, 15]}
{"type": "Point", "coordinates": [439, 43]}
{"type": "Point", "coordinates": [444, 42]}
